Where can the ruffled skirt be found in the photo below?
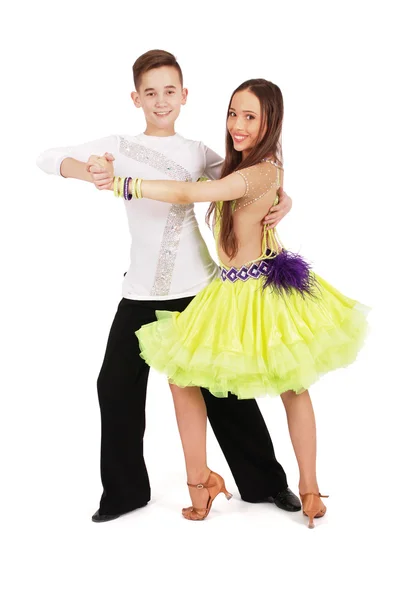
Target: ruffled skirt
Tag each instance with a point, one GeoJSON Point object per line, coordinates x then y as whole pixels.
{"type": "Point", "coordinates": [237, 338]}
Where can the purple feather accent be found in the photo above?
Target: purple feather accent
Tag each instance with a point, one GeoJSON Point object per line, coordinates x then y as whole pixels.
{"type": "Point", "coordinates": [289, 272]}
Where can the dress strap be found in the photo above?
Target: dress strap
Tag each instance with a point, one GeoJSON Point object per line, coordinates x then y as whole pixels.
{"type": "Point", "coordinates": [271, 240]}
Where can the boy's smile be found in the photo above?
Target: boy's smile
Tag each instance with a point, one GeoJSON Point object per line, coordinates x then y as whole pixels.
{"type": "Point", "coordinates": [160, 95]}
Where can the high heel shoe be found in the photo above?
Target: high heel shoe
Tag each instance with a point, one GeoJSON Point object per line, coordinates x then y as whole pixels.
{"type": "Point", "coordinates": [312, 507]}
{"type": "Point", "coordinates": [215, 486]}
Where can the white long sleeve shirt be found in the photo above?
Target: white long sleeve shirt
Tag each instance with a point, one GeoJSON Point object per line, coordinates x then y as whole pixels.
{"type": "Point", "coordinates": [169, 258]}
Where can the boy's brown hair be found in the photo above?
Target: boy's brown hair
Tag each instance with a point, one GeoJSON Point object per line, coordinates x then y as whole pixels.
{"type": "Point", "coordinates": [153, 60]}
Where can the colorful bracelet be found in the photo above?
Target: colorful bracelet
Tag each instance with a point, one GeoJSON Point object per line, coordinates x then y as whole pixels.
{"type": "Point", "coordinates": [121, 187]}
{"type": "Point", "coordinates": [115, 186]}
{"type": "Point", "coordinates": [118, 186]}
{"type": "Point", "coordinates": [137, 189]}
{"type": "Point", "coordinates": [127, 195]}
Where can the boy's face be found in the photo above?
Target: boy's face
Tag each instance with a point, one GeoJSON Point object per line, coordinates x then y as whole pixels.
{"type": "Point", "coordinates": [160, 95]}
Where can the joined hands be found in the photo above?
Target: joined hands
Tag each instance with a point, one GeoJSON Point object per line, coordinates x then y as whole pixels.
{"type": "Point", "coordinates": [102, 170]}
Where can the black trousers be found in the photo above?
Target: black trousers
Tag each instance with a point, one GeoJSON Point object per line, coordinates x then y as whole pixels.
{"type": "Point", "coordinates": [238, 424]}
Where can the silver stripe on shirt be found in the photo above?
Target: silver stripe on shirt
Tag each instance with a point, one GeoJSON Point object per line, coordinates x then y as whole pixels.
{"type": "Point", "coordinates": [176, 216]}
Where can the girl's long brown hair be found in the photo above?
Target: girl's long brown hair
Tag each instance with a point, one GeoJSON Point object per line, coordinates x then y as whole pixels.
{"type": "Point", "coordinates": [267, 146]}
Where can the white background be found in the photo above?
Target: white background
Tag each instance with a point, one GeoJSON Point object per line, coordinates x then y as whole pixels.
{"type": "Point", "coordinates": [66, 79]}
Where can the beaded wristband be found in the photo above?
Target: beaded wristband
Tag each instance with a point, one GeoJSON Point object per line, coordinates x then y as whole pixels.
{"type": "Point", "coordinates": [127, 195]}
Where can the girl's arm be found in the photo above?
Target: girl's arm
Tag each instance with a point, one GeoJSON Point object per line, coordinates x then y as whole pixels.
{"type": "Point", "coordinates": [181, 192]}
{"type": "Point", "coordinates": [246, 185]}
{"type": "Point", "coordinates": [173, 192]}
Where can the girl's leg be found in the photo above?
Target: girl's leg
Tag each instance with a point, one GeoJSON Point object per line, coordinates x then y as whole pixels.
{"type": "Point", "coordinates": [302, 428]}
{"type": "Point", "coordinates": [190, 410]}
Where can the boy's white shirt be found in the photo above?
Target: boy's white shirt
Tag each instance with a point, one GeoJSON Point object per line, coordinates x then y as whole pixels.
{"type": "Point", "coordinates": [169, 257]}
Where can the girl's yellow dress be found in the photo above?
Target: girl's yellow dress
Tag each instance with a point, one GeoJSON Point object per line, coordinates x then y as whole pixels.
{"type": "Point", "coordinates": [271, 326]}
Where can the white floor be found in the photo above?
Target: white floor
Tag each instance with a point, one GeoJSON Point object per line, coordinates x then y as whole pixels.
{"type": "Point", "coordinates": [54, 551]}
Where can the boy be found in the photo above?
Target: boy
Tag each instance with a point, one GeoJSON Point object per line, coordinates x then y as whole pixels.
{"type": "Point", "coordinates": [170, 264]}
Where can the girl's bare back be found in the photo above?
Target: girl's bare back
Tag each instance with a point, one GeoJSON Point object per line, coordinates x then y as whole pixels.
{"type": "Point", "coordinates": [263, 181]}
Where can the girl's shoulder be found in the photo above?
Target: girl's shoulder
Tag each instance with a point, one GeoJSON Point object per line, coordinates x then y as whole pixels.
{"type": "Point", "coordinates": [261, 178]}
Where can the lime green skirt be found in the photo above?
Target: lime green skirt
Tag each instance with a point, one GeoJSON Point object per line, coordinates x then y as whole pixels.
{"type": "Point", "coordinates": [234, 337]}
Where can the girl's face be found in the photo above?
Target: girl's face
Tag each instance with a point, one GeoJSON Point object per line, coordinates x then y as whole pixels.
{"type": "Point", "coordinates": [244, 121]}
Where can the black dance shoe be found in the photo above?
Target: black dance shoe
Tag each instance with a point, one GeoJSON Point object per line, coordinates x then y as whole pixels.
{"type": "Point", "coordinates": [286, 500]}
{"type": "Point", "coordinates": [98, 518]}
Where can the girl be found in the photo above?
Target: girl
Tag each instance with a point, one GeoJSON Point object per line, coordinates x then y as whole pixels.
{"type": "Point", "coordinates": [267, 325]}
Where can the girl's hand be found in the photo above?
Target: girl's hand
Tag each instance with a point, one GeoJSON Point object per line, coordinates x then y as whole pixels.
{"type": "Point", "coordinates": [102, 171]}
{"type": "Point", "coordinates": [279, 211]}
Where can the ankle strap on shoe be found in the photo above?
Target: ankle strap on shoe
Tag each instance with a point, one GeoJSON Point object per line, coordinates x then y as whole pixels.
{"type": "Point", "coordinates": [201, 486]}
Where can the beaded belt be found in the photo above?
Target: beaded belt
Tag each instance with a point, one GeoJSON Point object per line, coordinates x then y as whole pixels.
{"type": "Point", "coordinates": [254, 271]}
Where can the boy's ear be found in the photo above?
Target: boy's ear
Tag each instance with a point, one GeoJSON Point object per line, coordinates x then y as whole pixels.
{"type": "Point", "coordinates": [184, 96]}
{"type": "Point", "coordinates": [135, 99]}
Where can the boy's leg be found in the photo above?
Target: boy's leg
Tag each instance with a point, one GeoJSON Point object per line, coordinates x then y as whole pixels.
{"type": "Point", "coordinates": [122, 395]}
{"type": "Point", "coordinates": [246, 443]}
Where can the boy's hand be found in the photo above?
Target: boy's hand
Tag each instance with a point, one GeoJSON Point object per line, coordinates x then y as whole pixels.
{"type": "Point", "coordinates": [279, 211]}
{"type": "Point", "coordinates": [102, 170]}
